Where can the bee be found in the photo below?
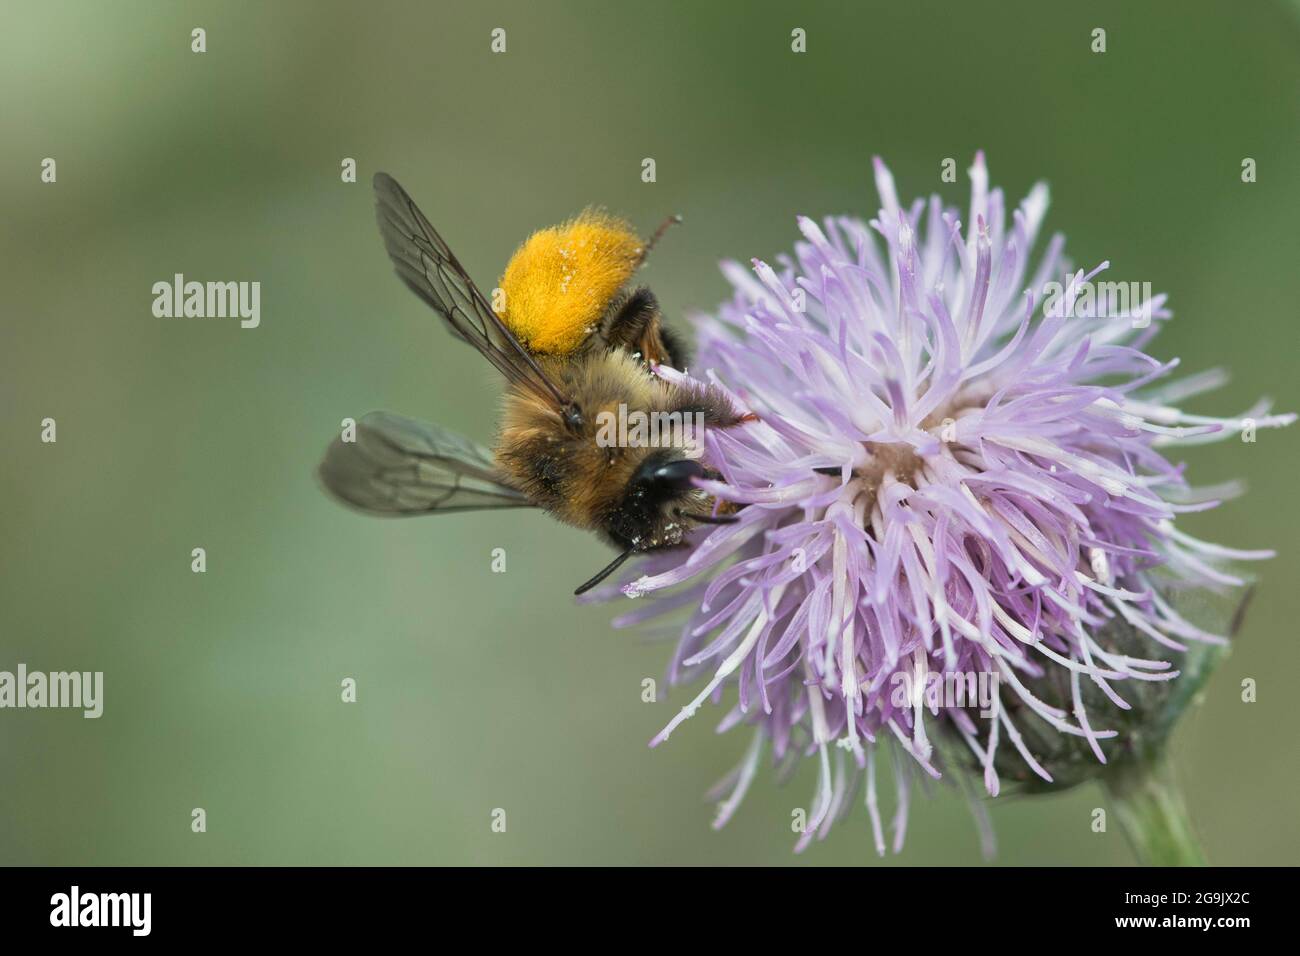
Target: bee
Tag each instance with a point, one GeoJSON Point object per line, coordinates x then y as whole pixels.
{"type": "Point", "coordinates": [575, 345]}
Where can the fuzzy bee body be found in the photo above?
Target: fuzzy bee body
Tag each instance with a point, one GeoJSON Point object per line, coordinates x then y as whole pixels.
{"type": "Point", "coordinates": [600, 486]}
{"type": "Point", "coordinates": [577, 349]}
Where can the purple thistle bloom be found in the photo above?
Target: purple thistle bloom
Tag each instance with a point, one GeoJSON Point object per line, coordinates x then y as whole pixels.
{"type": "Point", "coordinates": [946, 479]}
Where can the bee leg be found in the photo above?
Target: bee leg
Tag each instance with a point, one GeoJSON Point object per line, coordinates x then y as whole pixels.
{"type": "Point", "coordinates": [634, 324]}
{"type": "Point", "coordinates": [676, 352]}
{"type": "Point", "coordinates": [629, 317]}
{"type": "Point", "coordinates": [694, 398]}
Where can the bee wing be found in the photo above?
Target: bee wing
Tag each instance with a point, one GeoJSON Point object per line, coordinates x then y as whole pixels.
{"type": "Point", "coordinates": [398, 466]}
{"type": "Point", "coordinates": [427, 265]}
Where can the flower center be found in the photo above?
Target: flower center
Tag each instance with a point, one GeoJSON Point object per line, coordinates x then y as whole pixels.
{"type": "Point", "coordinates": [893, 458]}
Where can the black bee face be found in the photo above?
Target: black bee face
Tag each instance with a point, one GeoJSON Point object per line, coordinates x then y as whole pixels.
{"type": "Point", "coordinates": [662, 503]}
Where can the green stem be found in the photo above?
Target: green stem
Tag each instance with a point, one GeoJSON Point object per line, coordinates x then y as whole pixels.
{"type": "Point", "coordinates": [1146, 798]}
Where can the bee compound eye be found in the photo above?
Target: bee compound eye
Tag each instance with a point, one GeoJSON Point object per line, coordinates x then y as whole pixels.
{"type": "Point", "coordinates": [676, 474]}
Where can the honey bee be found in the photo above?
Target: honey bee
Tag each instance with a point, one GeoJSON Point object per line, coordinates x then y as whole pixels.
{"type": "Point", "coordinates": [575, 345]}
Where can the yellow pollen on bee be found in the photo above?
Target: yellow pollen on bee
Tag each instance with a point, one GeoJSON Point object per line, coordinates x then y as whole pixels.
{"type": "Point", "coordinates": [558, 284]}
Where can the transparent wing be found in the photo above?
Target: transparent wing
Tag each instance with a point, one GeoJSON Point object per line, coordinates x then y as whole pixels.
{"type": "Point", "coordinates": [398, 466]}
{"type": "Point", "coordinates": [429, 268]}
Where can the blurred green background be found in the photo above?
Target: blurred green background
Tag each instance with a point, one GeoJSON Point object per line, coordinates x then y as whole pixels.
{"type": "Point", "coordinates": [480, 690]}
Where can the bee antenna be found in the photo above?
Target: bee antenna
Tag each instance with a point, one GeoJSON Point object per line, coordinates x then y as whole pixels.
{"type": "Point", "coordinates": [658, 234]}
{"type": "Point", "coordinates": [605, 572]}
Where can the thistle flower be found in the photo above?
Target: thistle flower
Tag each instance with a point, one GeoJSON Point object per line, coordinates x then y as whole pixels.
{"type": "Point", "coordinates": [947, 483]}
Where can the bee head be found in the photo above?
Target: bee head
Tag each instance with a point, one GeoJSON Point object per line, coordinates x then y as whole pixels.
{"type": "Point", "coordinates": [661, 503]}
